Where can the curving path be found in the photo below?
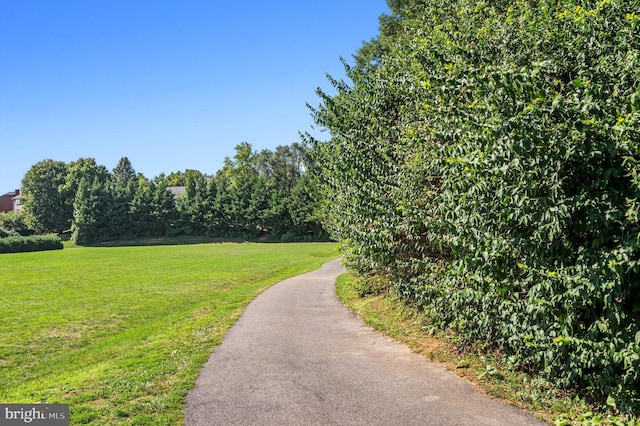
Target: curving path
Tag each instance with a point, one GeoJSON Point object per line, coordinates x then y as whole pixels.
{"type": "Point", "coordinates": [297, 356]}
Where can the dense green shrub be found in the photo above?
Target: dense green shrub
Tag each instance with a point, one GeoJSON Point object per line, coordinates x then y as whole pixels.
{"type": "Point", "coordinates": [487, 159]}
{"type": "Point", "coordinates": [7, 233]}
{"type": "Point", "coordinates": [12, 224]}
{"type": "Point", "coordinates": [32, 243]}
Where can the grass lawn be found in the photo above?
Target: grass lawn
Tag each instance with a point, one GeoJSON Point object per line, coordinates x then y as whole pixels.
{"type": "Point", "coordinates": [120, 333]}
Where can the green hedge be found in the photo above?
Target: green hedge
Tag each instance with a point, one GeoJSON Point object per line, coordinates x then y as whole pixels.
{"type": "Point", "coordinates": [487, 161]}
{"type": "Point", "coordinates": [33, 243]}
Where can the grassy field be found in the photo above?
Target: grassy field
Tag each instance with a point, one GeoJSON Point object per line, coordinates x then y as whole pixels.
{"type": "Point", "coordinates": [120, 333]}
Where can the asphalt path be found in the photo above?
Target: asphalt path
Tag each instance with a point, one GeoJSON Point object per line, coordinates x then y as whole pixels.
{"type": "Point", "coordinates": [297, 356]}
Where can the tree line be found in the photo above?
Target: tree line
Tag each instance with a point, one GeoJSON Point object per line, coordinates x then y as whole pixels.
{"type": "Point", "coordinates": [485, 159]}
{"type": "Point", "coordinates": [265, 194]}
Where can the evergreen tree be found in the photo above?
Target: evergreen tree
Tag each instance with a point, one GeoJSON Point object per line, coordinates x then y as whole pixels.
{"type": "Point", "coordinates": [88, 212]}
{"type": "Point", "coordinates": [124, 174]}
{"type": "Point", "coordinates": [141, 208]}
{"type": "Point", "coordinates": [198, 204]}
{"type": "Point", "coordinates": [86, 168]}
{"type": "Point", "coordinates": [305, 211]}
{"type": "Point", "coordinates": [164, 212]}
{"type": "Point", "coordinates": [119, 217]}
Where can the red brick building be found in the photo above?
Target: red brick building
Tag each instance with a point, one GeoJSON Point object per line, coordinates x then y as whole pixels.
{"type": "Point", "coordinates": [10, 201]}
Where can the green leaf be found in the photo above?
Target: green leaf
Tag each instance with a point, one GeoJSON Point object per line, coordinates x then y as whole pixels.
{"type": "Point", "coordinates": [611, 402]}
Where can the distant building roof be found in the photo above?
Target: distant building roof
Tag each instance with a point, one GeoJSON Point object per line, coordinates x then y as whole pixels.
{"type": "Point", "coordinates": [177, 190]}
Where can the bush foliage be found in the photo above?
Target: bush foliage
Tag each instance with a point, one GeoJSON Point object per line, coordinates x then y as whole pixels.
{"type": "Point", "coordinates": [13, 224]}
{"type": "Point", "coordinates": [485, 157]}
{"type": "Point", "coordinates": [17, 244]}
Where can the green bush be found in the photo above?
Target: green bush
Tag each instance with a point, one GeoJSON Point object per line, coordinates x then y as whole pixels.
{"type": "Point", "coordinates": [33, 243]}
{"type": "Point", "coordinates": [13, 223]}
{"type": "Point", "coordinates": [488, 160]}
{"type": "Point", "coordinates": [7, 232]}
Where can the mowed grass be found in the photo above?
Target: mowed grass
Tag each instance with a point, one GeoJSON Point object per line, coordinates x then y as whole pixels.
{"type": "Point", "coordinates": [121, 333]}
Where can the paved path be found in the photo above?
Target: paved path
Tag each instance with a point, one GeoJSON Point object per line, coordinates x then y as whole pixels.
{"type": "Point", "coordinates": [297, 356]}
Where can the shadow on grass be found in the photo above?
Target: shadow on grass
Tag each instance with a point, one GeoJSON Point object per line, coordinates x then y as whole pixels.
{"type": "Point", "coordinates": [188, 240]}
{"type": "Point", "coordinates": [165, 241]}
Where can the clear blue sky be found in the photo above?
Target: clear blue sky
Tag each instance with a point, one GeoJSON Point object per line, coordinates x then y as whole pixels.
{"type": "Point", "coordinates": [170, 84]}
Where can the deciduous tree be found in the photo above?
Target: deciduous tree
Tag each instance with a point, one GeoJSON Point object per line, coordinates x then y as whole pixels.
{"type": "Point", "coordinates": [44, 206]}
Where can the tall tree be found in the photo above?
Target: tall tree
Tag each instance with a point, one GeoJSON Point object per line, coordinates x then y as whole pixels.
{"type": "Point", "coordinates": [118, 214]}
{"type": "Point", "coordinates": [197, 204]}
{"type": "Point", "coordinates": [91, 220]}
{"type": "Point", "coordinates": [86, 168]}
{"type": "Point", "coordinates": [141, 208]}
{"type": "Point", "coordinates": [176, 179]}
{"type": "Point", "coordinates": [238, 177]}
{"type": "Point", "coordinates": [305, 211]}
{"type": "Point", "coordinates": [123, 173]}
{"type": "Point", "coordinates": [164, 212]}
{"type": "Point", "coordinates": [44, 206]}
{"type": "Point", "coordinates": [372, 52]}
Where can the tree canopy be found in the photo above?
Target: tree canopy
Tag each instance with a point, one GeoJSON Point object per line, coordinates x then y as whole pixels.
{"type": "Point", "coordinates": [253, 196]}
{"type": "Point", "coordinates": [44, 206]}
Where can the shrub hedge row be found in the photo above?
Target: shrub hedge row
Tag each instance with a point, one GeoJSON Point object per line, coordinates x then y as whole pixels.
{"type": "Point", "coordinates": [32, 243]}
{"type": "Point", "coordinates": [487, 161]}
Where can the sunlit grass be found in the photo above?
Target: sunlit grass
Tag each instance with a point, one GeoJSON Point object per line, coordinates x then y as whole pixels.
{"type": "Point", "coordinates": [120, 333]}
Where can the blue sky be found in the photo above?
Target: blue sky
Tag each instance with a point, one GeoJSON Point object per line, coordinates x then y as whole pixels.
{"type": "Point", "coordinates": [170, 84]}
